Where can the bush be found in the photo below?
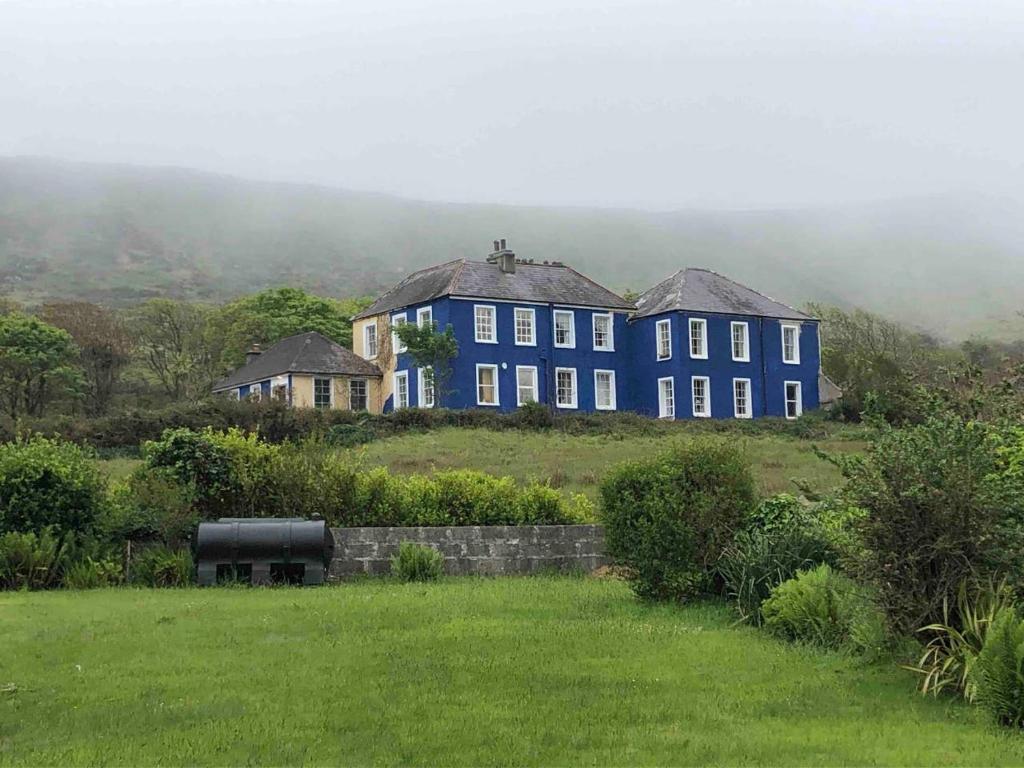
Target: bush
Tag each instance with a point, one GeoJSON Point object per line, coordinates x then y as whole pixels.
{"type": "Point", "coordinates": [31, 560]}
{"type": "Point", "coordinates": [161, 566]}
{"type": "Point", "coordinates": [49, 484]}
{"type": "Point", "coordinates": [824, 608]}
{"type": "Point", "coordinates": [150, 505]}
{"type": "Point", "coordinates": [416, 562]}
{"type": "Point", "coordinates": [782, 512]}
{"type": "Point", "coordinates": [88, 573]}
{"type": "Point", "coordinates": [670, 517]}
{"type": "Point", "coordinates": [1000, 669]}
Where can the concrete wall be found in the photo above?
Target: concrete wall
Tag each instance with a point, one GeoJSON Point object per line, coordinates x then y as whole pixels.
{"type": "Point", "coordinates": [497, 549]}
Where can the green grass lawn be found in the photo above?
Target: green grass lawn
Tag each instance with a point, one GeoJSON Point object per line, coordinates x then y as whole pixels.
{"type": "Point", "coordinates": [566, 671]}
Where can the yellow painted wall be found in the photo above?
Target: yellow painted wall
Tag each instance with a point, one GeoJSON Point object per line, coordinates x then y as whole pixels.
{"type": "Point", "coordinates": [385, 359]}
{"type": "Point", "coordinates": [302, 392]}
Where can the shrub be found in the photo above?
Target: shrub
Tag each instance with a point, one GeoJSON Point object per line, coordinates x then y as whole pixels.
{"type": "Point", "coordinates": [49, 484]}
{"type": "Point", "coordinates": [824, 608]}
{"type": "Point", "coordinates": [150, 505]}
{"type": "Point", "coordinates": [1000, 669]}
{"type": "Point", "coordinates": [416, 562]}
{"type": "Point", "coordinates": [161, 566]}
{"type": "Point", "coordinates": [781, 512]}
{"type": "Point", "coordinates": [31, 560]}
{"type": "Point", "coordinates": [88, 573]}
{"type": "Point", "coordinates": [199, 463]}
{"type": "Point", "coordinates": [670, 517]}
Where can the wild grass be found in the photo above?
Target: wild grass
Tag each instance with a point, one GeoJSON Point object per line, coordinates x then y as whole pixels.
{"type": "Point", "coordinates": [528, 671]}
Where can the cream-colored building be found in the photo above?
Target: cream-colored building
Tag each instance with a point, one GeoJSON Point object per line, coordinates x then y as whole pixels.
{"type": "Point", "coordinates": [308, 371]}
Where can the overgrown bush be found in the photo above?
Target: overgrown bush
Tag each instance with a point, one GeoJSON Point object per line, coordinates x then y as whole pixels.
{"type": "Point", "coordinates": [89, 573]}
{"type": "Point", "coordinates": [999, 675]}
{"type": "Point", "coordinates": [31, 560]}
{"type": "Point", "coordinates": [150, 505]}
{"type": "Point", "coordinates": [825, 608]}
{"type": "Point", "coordinates": [669, 518]}
{"type": "Point", "coordinates": [417, 562]}
{"type": "Point", "coordinates": [49, 484]}
{"type": "Point", "coordinates": [161, 566]}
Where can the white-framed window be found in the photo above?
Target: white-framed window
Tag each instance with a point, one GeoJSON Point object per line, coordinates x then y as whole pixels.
{"type": "Point", "coordinates": [565, 329]}
{"type": "Point", "coordinates": [401, 396]}
{"type": "Point", "coordinates": [701, 389]}
{"type": "Point", "coordinates": [604, 332]}
{"type": "Point", "coordinates": [663, 339]}
{"type": "Point", "coordinates": [565, 387]}
{"type": "Point", "coordinates": [740, 341]}
{"type": "Point", "coordinates": [791, 343]}
{"type": "Point", "coordinates": [358, 395]}
{"type": "Point", "coordinates": [526, 384]}
{"type": "Point", "coordinates": [526, 327]}
{"type": "Point", "coordinates": [742, 407]}
{"type": "Point", "coordinates": [486, 331]}
{"type": "Point", "coordinates": [323, 391]}
{"type": "Point", "coordinates": [666, 398]}
{"type": "Point", "coordinates": [370, 340]}
{"type": "Point", "coordinates": [396, 343]}
{"type": "Point", "coordinates": [486, 384]}
{"type": "Point", "coordinates": [424, 316]}
{"type": "Point", "coordinates": [698, 338]}
{"type": "Point", "coordinates": [426, 387]}
{"type": "Point", "coordinates": [794, 399]}
{"type": "Point", "coordinates": [604, 390]}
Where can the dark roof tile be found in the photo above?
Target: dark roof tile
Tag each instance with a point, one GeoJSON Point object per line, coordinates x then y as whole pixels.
{"type": "Point", "coordinates": [701, 290]}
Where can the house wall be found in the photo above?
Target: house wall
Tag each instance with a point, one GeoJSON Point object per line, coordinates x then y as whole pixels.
{"type": "Point", "coordinates": [301, 387]}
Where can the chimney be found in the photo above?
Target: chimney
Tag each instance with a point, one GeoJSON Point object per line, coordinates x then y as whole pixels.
{"type": "Point", "coordinates": [253, 353]}
{"type": "Point", "coordinates": [503, 257]}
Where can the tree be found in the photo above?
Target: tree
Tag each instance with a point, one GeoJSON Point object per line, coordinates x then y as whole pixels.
{"type": "Point", "coordinates": [269, 316]}
{"type": "Point", "coordinates": [36, 364]}
{"type": "Point", "coordinates": [104, 347]}
{"type": "Point", "coordinates": [172, 340]}
{"type": "Point", "coordinates": [433, 350]}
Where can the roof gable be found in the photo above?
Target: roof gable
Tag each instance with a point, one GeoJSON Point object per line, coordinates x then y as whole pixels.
{"type": "Point", "coordinates": [701, 290]}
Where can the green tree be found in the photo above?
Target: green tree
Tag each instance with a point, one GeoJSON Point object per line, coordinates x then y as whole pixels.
{"type": "Point", "coordinates": [269, 316]}
{"type": "Point", "coordinates": [36, 364]}
{"type": "Point", "coordinates": [433, 350]}
{"type": "Point", "coordinates": [173, 345]}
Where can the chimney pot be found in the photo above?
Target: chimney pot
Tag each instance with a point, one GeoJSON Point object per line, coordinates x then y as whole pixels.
{"type": "Point", "coordinates": [253, 353]}
{"type": "Point", "coordinates": [503, 243]}
{"type": "Point", "coordinates": [496, 249]}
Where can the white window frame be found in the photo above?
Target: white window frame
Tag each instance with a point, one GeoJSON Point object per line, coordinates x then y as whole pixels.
{"type": "Point", "coordinates": [795, 327]}
{"type": "Point", "coordinates": [745, 357]}
{"type": "Point", "coordinates": [366, 385]}
{"type": "Point", "coordinates": [610, 317]}
{"type": "Point", "coordinates": [399, 376]}
{"type": "Point", "coordinates": [424, 316]}
{"type": "Point", "coordinates": [663, 405]}
{"type": "Point", "coordinates": [611, 382]}
{"type": "Point", "coordinates": [330, 391]}
{"type": "Point", "coordinates": [666, 323]}
{"type": "Point", "coordinates": [531, 312]}
{"type": "Point", "coordinates": [705, 414]}
{"type": "Point", "coordinates": [799, 399]}
{"type": "Point", "coordinates": [421, 393]}
{"type": "Point", "coordinates": [749, 412]}
{"type": "Point", "coordinates": [396, 343]}
{"type": "Point", "coordinates": [497, 394]}
{"type": "Point", "coordinates": [575, 388]}
{"type": "Point", "coordinates": [536, 395]}
{"type": "Point", "coordinates": [494, 323]}
{"type": "Point", "coordinates": [366, 341]}
{"type": "Point", "coordinates": [703, 323]}
{"type": "Point", "coordinates": [572, 328]}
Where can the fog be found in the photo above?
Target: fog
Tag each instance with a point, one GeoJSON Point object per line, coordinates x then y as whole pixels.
{"type": "Point", "coordinates": [659, 105]}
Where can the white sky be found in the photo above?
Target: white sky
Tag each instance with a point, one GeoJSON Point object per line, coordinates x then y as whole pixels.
{"type": "Point", "coordinates": [706, 103]}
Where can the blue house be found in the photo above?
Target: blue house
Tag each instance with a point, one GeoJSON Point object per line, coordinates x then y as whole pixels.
{"type": "Point", "coordinates": [695, 345]}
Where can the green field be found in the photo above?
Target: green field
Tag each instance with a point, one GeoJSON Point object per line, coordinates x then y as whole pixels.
{"type": "Point", "coordinates": [467, 671]}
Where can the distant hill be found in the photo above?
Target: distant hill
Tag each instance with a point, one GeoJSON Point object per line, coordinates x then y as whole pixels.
{"type": "Point", "coordinates": [120, 234]}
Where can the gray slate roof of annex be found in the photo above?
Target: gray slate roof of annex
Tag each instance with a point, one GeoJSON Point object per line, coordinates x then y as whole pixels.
{"type": "Point", "coordinates": [305, 353]}
{"type": "Point", "coordinates": [536, 283]}
{"type": "Point", "coordinates": [701, 290]}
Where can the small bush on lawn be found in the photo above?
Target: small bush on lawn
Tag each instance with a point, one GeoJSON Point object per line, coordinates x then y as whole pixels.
{"type": "Point", "coordinates": [669, 518]}
{"type": "Point", "coordinates": [31, 560]}
{"type": "Point", "coordinates": [49, 484]}
{"type": "Point", "coordinates": [825, 608]}
{"type": "Point", "coordinates": [416, 562]}
{"type": "Point", "coordinates": [161, 566]}
{"type": "Point", "coordinates": [89, 573]}
{"type": "Point", "coordinates": [999, 669]}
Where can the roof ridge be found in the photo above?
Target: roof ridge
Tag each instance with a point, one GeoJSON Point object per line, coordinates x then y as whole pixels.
{"type": "Point", "coordinates": [594, 282]}
{"type": "Point", "coordinates": [752, 290]}
{"type": "Point", "coordinates": [455, 276]}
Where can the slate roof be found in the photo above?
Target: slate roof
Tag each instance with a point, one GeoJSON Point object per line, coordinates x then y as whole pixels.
{"type": "Point", "coordinates": [305, 353]}
{"type": "Point", "coordinates": [539, 283]}
{"type": "Point", "coordinates": [701, 290]}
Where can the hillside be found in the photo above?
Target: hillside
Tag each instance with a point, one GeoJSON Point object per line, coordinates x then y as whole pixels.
{"type": "Point", "coordinates": [119, 234]}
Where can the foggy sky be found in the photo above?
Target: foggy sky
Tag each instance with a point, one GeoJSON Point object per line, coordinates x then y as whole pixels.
{"type": "Point", "coordinates": [673, 104]}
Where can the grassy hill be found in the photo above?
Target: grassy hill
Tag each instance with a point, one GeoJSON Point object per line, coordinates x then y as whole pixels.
{"type": "Point", "coordinates": [118, 234]}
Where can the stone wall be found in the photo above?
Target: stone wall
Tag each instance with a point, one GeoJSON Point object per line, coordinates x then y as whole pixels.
{"type": "Point", "coordinates": [483, 549]}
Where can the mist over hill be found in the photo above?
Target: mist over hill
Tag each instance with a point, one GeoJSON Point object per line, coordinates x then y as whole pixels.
{"type": "Point", "coordinates": [121, 234]}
